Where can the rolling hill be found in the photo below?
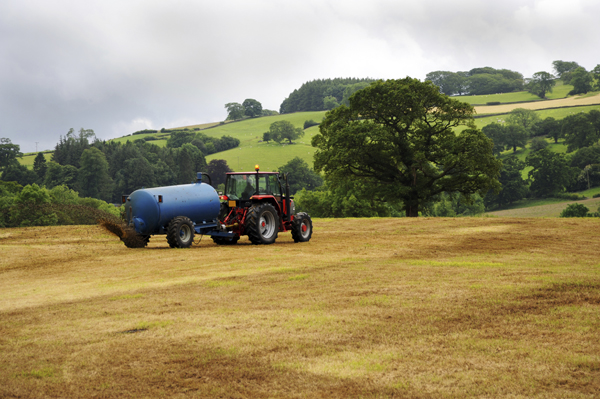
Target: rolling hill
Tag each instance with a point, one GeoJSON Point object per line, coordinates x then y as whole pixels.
{"type": "Point", "coordinates": [270, 156]}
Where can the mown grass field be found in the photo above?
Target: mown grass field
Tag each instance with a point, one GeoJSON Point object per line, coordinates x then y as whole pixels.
{"type": "Point", "coordinates": [420, 308]}
{"type": "Point", "coordinates": [558, 113]}
{"type": "Point", "coordinates": [563, 103]}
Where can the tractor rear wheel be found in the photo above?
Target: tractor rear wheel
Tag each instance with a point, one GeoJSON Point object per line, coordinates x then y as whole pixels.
{"type": "Point", "coordinates": [301, 227]}
{"type": "Point", "coordinates": [180, 233]}
{"type": "Point", "coordinates": [262, 224]}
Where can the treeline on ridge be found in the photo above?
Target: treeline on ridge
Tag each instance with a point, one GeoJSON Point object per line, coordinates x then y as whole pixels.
{"type": "Point", "coordinates": [477, 81]}
{"type": "Point", "coordinates": [322, 94]}
{"type": "Point", "coordinates": [326, 94]}
{"type": "Point", "coordinates": [108, 170]}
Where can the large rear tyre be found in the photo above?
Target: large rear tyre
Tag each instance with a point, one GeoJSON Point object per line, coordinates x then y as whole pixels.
{"type": "Point", "coordinates": [302, 227]}
{"type": "Point", "coordinates": [180, 233]}
{"type": "Point", "coordinates": [262, 224]}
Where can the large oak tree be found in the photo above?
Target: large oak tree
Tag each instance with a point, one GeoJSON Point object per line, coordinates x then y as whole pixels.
{"type": "Point", "coordinates": [400, 135]}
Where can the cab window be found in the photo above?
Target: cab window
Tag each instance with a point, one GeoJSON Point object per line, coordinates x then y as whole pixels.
{"type": "Point", "coordinates": [240, 186]}
{"type": "Point", "coordinates": [274, 187]}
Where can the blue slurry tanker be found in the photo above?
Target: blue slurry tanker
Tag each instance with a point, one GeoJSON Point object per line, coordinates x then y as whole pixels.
{"type": "Point", "coordinates": [256, 204]}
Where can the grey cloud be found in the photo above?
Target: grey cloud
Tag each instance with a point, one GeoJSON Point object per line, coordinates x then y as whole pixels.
{"type": "Point", "coordinates": [117, 66]}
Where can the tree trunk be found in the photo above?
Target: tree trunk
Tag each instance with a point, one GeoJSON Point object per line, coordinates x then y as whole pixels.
{"type": "Point", "coordinates": [412, 211]}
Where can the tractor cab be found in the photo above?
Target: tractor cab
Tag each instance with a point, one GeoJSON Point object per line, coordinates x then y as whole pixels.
{"type": "Point", "coordinates": [243, 189]}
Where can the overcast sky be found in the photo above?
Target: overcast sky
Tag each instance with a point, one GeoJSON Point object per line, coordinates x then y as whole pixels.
{"type": "Point", "coordinates": [125, 65]}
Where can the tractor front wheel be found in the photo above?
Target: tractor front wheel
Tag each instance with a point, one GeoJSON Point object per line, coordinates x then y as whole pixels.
{"type": "Point", "coordinates": [262, 224]}
{"type": "Point", "coordinates": [180, 233]}
{"type": "Point", "coordinates": [301, 227]}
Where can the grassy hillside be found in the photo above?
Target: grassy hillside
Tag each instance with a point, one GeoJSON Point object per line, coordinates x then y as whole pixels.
{"type": "Point", "coordinates": [413, 308]}
{"type": "Point", "coordinates": [252, 150]}
{"type": "Point", "coordinates": [547, 208]}
{"type": "Point", "coordinates": [28, 159]}
{"type": "Point", "coordinates": [269, 156]}
{"type": "Point", "coordinates": [559, 91]}
{"type": "Point", "coordinates": [522, 153]}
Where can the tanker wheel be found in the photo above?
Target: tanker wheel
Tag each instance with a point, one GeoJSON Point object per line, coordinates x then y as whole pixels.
{"type": "Point", "coordinates": [180, 233]}
{"type": "Point", "coordinates": [301, 227]}
{"type": "Point", "coordinates": [262, 224]}
{"type": "Point", "coordinates": [225, 241]}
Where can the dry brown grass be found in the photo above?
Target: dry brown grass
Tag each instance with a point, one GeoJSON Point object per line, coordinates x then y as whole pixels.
{"type": "Point", "coordinates": [421, 308]}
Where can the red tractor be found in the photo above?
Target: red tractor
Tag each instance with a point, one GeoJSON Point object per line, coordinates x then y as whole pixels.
{"type": "Point", "coordinates": [259, 205]}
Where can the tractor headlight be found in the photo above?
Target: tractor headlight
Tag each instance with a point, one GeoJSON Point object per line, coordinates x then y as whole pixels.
{"type": "Point", "coordinates": [293, 206]}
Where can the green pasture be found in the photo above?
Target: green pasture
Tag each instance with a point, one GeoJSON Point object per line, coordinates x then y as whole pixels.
{"type": "Point", "coordinates": [556, 113]}
{"type": "Point", "coordinates": [269, 156]}
{"type": "Point", "coordinates": [522, 153]}
{"type": "Point", "coordinates": [559, 91]}
{"type": "Point", "coordinates": [251, 130]}
{"type": "Point", "coordinates": [161, 138]}
{"type": "Point", "coordinates": [28, 158]}
{"type": "Point", "coordinates": [548, 208]}
{"type": "Point", "coordinates": [591, 192]}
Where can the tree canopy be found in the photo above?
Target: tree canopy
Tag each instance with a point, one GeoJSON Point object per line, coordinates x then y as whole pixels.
{"type": "Point", "coordinates": [398, 135]}
{"type": "Point", "coordinates": [235, 111]}
{"type": "Point", "coordinates": [540, 84]}
{"type": "Point", "coordinates": [252, 108]}
{"type": "Point", "coordinates": [94, 179]}
{"type": "Point", "coordinates": [525, 118]}
{"type": "Point", "coordinates": [477, 81]}
{"type": "Point", "coordinates": [321, 94]}
{"type": "Point", "coordinates": [582, 81]}
{"type": "Point", "coordinates": [217, 169]}
{"type": "Point", "coordinates": [300, 175]}
{"type": "Point", "coordinates": [283, 130]}
{"type": "Point", "coordinates": [548, 127]}
{"type": "Point", "coordinates": [550, 172]}
{"type": "Point", "coordinates": [564, 67]}
{"type": "Point", "coordinates": [9, 153]}
{"type": "Point", "coordinates": [581, 130]}
{"type": "Point", "coordinates": [514, 187]}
